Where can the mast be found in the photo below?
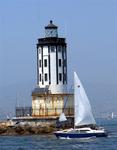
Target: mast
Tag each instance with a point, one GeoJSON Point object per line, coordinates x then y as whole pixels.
{"type": "Point", "coordinates": [74, 96]}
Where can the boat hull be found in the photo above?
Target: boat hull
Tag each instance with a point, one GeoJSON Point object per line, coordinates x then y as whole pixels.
{"type": "Point", "coordinates": [79, 135]}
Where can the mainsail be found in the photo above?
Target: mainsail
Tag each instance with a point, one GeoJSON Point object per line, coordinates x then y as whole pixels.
{"type": "Point", "coordinates": [82, 113]}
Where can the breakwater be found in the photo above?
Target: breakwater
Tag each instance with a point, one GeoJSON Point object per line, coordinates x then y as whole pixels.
{"type": "Point", "coordinates": [26, 130]}
{"type": "Point", "coordinates": [30, 127]}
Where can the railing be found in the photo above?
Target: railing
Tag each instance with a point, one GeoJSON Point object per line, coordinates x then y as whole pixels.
{"type": "Point", "coordinates": [23, 111]}
{"type": "Point", "coordinates": [28, 111]}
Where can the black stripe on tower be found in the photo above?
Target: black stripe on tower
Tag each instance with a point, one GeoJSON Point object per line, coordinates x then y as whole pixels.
{"type": "Point", "coordinates": [63, 62]}
{"type": "Point", "coordinates": [42, 64]}
{"type": "Point", "coordinates": [37, 66]}
{"type": "Point", "coordinates": [66, 63]}
{"type": "Point", "coordinates": [49, 64]}
{"type": "Point", "coordinates": [56, 64]}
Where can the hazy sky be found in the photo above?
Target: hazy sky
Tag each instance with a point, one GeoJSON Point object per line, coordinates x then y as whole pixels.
{"type": "Point", "coordinates": [90, 27]}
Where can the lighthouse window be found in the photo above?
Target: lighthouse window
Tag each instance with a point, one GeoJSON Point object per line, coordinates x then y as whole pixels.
{"type": "Point", "coordinates": [59, 62]}
{"type": "Point", "coordinates": [52, 49]}
{"type": "Point", "coordinates": [39, 63]}
{"type": "Point", "coordinates": [46, 77]}
{"type": "Point", "coordinates": [60, 77]}
{"type": "Point", "coordinates": [45, 62]}
{"type": "Point", "coordinates": [40, 77]}
{"type": "Point", "coordinates": [39, 50]}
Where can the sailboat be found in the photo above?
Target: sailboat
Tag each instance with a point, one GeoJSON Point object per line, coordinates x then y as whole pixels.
{"type": "Point", "coordinates": [112, 115]}
{"type": "Point", "coordinates": [84, 122]}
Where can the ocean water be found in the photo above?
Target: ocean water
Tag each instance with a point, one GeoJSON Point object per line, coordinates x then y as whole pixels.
{"type": "Point", "coordinates": [49, 142]}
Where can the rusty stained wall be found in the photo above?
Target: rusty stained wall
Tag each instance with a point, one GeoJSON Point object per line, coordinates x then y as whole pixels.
{"type": "Point", "coordinates": [50, 105]}
{"type": "Point", "coordinates": [69, 106]}
{"type": "Point", "coordinates": [70, 101]}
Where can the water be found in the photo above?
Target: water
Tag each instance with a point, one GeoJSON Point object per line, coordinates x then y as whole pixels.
{"type": "Point", "coordinates": [44, 142]}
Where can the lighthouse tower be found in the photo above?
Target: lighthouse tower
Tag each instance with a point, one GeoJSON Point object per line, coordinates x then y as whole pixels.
{"type": "Point", "coordinates": [50, 94]}
{"type": "Point", "coordinates": [52, 61]}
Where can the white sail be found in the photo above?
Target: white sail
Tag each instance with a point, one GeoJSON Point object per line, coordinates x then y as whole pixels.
{"type": "Point", "coordinates": [83, 113]}
{"type": "Point", "coordinates": [62, 117]}
{"type": "Point", "coordinates": [112, 115]}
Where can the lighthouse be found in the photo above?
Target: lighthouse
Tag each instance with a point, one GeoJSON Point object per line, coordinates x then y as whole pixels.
{"type": "Point", "coordinates": [52, 61]}
{"type": "Point", "coordinates": [50, 94]}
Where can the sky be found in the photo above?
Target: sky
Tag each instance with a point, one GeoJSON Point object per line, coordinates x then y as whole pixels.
{"type": "Point", "coordinates": [90, 29]}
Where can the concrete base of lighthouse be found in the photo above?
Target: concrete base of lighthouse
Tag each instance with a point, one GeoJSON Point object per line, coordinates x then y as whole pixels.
{"type": "Point", "coordinates": [58, 89]}
{"type": "Point", "coordinates": [46, 104]}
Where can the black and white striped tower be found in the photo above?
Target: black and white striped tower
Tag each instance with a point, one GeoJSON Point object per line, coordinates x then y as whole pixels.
{"type": "Point", "coordinates": [52, 61]}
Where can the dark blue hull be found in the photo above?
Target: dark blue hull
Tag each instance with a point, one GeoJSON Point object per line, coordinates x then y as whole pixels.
{"type": "Point", "coordinates": [79, 135]}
